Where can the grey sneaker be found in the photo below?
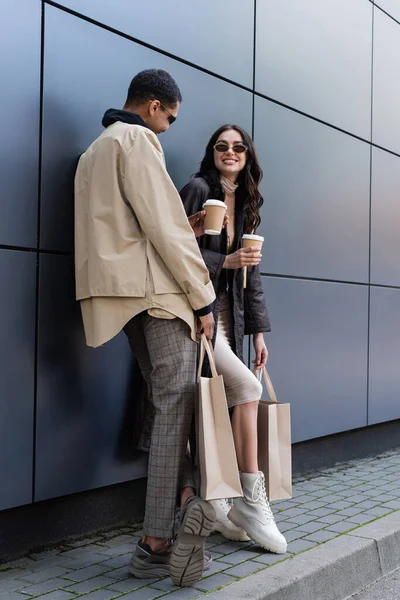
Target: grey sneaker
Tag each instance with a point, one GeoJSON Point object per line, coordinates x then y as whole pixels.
{"type": "Point", "coordinates": [146, 564]}
{"type": "Point", "coordinates": [188, 558]}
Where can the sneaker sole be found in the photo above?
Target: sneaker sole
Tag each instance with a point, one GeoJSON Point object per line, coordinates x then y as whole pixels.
{"type": "Point", "coordinates": [237, 520]}
{"type": "Point", "coordinates": [186, 564]}
{"type": "Point", "coordinates": [141, 571]}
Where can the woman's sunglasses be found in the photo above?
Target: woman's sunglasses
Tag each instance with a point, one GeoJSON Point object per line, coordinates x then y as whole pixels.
{"type": "Point", "coordinates": [223, 147]}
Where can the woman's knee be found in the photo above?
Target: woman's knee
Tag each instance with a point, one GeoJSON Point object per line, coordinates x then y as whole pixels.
{"type": "Point", "coordinates": [258, 389]}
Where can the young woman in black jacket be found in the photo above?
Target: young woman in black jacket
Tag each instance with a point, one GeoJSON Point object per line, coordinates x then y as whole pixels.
{"type": "Point", "coordinates": [230, 171]}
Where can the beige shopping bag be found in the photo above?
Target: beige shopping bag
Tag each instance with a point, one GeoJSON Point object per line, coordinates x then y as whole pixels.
{"type": "Point", "coordinates": [219, 473]}
{"type": "Point", "coordinates": [274, 443]}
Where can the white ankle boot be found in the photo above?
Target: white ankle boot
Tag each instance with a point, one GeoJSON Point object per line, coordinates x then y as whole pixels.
{"type": "Point", "coordinates": [253, 513]}
{"type": "Point", "coordinates": [223, 525]}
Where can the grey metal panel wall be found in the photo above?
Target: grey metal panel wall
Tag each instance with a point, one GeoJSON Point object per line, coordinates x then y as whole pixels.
{"type": "Point", "coordinates": [316, 57]}
{"type": "Point", "coordinates": [386, 82]}
{"type": "Point", "coordinates": [83, 79]}
{"type": "Point", "coordinates": [318, 353]}
{"type": "Point", "coordinates": [385, 218]}
{"type": "Point", "coordinates": [392, 7]}
{"type": "Point", "coordinates": [316, 190]}
{"type": "Point", "coordinates": [17, 356]}
{"type": "Point", "coordinates": [384, 372]}
{"type": "Point", "coordinates": [215, 35]}
{"type": "Point", "coordinates": [19, 107]}
{"type": "Point", "coordinates": [84, 396]}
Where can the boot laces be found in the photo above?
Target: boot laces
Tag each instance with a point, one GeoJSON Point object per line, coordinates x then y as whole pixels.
{"type": "Point", "coordinates": [259, 495]}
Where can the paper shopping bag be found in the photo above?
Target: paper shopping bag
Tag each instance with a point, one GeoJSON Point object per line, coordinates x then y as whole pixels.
{"type": "Point", "coordinates": [219, 473]}
{"type": "Point", "coordinates": [274, 443]}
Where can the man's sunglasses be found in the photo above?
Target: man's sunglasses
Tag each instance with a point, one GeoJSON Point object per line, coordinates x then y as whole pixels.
{"type": "Point", "coordinates": [171, 118]}
{"type": "Point", "coordinates": [223, 147]}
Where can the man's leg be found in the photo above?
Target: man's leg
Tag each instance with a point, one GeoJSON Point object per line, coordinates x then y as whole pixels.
{"type": "Point", "coordinates": [167, 357]}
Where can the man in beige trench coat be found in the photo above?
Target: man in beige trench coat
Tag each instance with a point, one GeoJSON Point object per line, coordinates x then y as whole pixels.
{"type": "Point", "coordinates": [138, 268]}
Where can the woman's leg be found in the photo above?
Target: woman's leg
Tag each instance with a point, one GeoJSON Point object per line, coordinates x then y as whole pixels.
{"type": "Point", "coordinates": [244, 427]}
{"type": "Point", "coordinates": [251, 513]}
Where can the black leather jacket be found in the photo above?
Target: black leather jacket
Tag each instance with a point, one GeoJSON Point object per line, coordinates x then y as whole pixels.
{"type": "Point", "coordinates": [248, 305]}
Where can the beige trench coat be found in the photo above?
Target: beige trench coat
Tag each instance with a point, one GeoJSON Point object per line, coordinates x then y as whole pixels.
{"type": "Point", "coordinates": [129, 219]}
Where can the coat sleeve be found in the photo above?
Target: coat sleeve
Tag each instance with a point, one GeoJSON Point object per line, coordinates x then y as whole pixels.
{"type": "Point", "coordinates": [256, 317]}
{"type": "Point", "coordinates": [193, 196]}
{"type": "Point", "coordinates": [157, 206]}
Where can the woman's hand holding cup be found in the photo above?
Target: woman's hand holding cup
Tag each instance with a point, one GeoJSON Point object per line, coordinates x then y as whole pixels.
{"type": "Point", "coordinates": [244, 257]}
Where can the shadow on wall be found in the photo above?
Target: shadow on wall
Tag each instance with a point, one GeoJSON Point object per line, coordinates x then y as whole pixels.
{"type": "Point", "coordinates": [87, 398]}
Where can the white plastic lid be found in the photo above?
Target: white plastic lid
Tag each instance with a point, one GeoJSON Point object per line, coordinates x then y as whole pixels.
{"type": "Point", "coordinates": [251, 236]}
{"type": "Point", "coordinates": [214, 203]}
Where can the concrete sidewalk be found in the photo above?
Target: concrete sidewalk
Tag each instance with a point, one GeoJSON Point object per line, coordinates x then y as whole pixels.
{"type": "Point", "coordinates": [331, 551]}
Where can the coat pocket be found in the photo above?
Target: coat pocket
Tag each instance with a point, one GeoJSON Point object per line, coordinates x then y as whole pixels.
{"type": "Point", "coordinates": [163, 281]}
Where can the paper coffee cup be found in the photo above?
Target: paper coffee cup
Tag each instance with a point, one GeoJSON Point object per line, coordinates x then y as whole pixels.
{"type": "Point", "coordinates": [252, 240]}
{"type": "Point", "coordinates": [214, 219]}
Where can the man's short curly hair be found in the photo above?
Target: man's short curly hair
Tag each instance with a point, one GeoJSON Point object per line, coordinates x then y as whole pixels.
{"type": "Point", "coordinates": [153, 84]}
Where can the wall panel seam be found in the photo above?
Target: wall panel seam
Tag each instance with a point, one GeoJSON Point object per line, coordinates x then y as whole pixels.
{"type": "Point", "coordinates": [208, 72]}
{"type": "Point", "coordinates": [41, 87]}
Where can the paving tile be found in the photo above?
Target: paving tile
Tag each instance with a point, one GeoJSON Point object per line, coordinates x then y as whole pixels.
{"type": "Point", "coordinates": [378, 511]}
{"type": "Point", "coordinates": [340, 527]}
{"type": "Point", "coordinates": [117, 550]}
{"type": "Point", "coordinates": [117, 562]}
{"type": "Point", "coordinates": [165, 585]}
{"type": "Point", "coordinates": [349, 512]}
{"type": "Point", "coordinates": [338, 487]}
{"type": "Point", "coordinates": [89, 585]}
{"type": "Point", "coordinates": [333, 518]}
{"type": "Point", "coordinates": [180, 594]}
{"type": "Point", "coordinates": [226, 548]}
{"type": "Point", "coordinates": [122, 573]}
{"type": "Point", "coordinates": [46, 586]}
{"type": "Point", "coordinates": [237, 557]}
{"type": "Point", "coordinates": [58, 595]}
{"type": "Point", "coordinates": [12, 596]}
{"type": "Point", "coordinates": [367, 504]}
{"type": "Point", "coordinates": [45, 574]}
{"type": "Point", "coordinates": [16, 573]}
{"type": "Point", "coordinates": [216, 567]}
{"type": "Point", "coordinates": [321, 512]}
{"type": "Point", "coordinates": [310, 527]}
{"type": "Point", "coordinates": [214, 582]}
{"type": "Point", "coordinates": [301, 499]}
{"type": "Point", "coordinates": [288, 525]}
{"type": "Point", "coordinates": [295, 534]}
{"type": "Point", "coordinates": [361, 518]}
{"type": "Point", "coordinates": [131, 584]}
{"type": "Point", "coordinates": [321, 536]}
{"type": "Point", "coordinates": [271, 559]}
{"type": "Point", "coordinates": [393, 504]}
{"type": "Point", "coordinates": [246, 568]}
{"type": "Point", "coordinates": [99, 595]}
{"type": "Point", "coordinates": [314, 504]}
{"type": "Point", "coordinates": [291, 512]}
{"type": "Point", "coordinates": [119, 540]}
{"type": "Point", "coordinates": [300, 545]}
{"type": "Point", "coordinates": [11, 585]}
{"type": "Point", "coordinates": [82, 561]}
{"type": "Point", "coordinates": [85, 573]}
{"type": "Point", "coordinates": [321, 493]}
{"type": "Point", "coordinates": [376, 492]}
{"type": "Point", "coordinates": [359, 498]}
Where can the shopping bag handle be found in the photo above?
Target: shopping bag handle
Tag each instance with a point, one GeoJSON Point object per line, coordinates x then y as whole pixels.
{"type": "Point", "coordinates": [268, 383]}
{"type": "Point", "coordinates": [206, 346]}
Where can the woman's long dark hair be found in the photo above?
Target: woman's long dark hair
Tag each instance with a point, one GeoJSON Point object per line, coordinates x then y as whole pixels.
{"type": "Point", "coordinates": [248, 180]}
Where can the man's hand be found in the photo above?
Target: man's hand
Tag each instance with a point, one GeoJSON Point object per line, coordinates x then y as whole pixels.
{"type": "Point", "coordinates": [196, 222]}
{"type": "Point", "coordinates": [206, 325]}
